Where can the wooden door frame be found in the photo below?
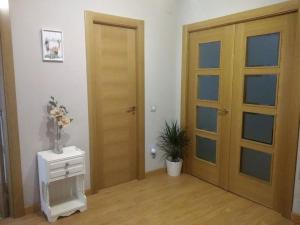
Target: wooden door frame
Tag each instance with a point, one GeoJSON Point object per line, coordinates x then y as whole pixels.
{"type": "Point", "coordinates": [296, 104]}
{"type": "Point", "coordinates": [104, 19]}
{"type": "Point", "coordinates": [16, 200]}
{"type": "Point", "coordinates": [284, 205]}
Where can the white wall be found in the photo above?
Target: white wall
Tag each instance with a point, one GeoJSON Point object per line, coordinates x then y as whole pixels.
{"type": "Point", "coordinates": [36, 81]}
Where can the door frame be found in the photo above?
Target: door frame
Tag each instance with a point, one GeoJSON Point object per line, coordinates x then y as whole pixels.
{"type": "Point", "coordinates": [15, 185]}
{"type": "Point", "coordinates": [296, 80]}
{"type": "Point", "coordinates": [138, 25]}
{"type": "Point", "coordinates": [284, 203]}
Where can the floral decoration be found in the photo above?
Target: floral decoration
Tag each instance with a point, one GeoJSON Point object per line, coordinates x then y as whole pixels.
{"type": "Point", "coordinates": [59, 113]}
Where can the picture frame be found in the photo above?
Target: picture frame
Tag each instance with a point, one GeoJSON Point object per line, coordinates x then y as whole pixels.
{"type": "Point", "coordinates": [52, 45]}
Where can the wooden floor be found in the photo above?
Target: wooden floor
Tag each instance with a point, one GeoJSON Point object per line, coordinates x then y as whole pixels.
{"type": "Point", "coordinates": [163, 200]}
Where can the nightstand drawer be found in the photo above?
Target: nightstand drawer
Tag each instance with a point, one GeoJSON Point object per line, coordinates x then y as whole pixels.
{"type": "Point", "coordinates": [64, 164]}
{"type": "Point", "coordinates": [66, 172]}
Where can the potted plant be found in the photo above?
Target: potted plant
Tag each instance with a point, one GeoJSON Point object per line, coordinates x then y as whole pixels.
{"type": "Point", "coordinates": [173, 141]}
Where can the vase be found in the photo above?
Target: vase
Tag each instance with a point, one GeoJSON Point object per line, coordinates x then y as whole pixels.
{"type": "Point", "coordinates": [58, 148]}
{"type": "Point", "coordinates": [174, 168]}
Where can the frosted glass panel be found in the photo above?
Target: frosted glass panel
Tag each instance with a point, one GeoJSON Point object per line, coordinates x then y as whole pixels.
{"type": "Point", "coordinates": [207, 118]}
{"type": "Point", "coordinates": [206, 149]}
{"type": "Point", "coordinates": [209, 54]}
{"type": "Point", "coordinates": [260, 89]}
{"type": "Point", "coordinates": [263, 50]}
{"type": "Point", "coordinates": [256, 164]}
{"type": "Point", "coordinates": [208, 87]}
{"type": "Point", "coordinates": [258, 127]}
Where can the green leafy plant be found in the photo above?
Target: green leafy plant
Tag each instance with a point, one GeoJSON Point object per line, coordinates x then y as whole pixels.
{"type": "Point", "coordinates": [173, 141]}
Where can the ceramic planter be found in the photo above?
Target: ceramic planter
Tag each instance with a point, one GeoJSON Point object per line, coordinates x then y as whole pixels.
{"type": "Point", "coordinates": [174, 168]}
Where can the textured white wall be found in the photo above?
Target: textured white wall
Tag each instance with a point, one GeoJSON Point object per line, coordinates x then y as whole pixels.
{"type": "Point", "coordinates": [36, 80]}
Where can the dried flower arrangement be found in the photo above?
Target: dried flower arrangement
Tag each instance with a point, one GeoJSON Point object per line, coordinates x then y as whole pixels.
{"type": "Point", "coordinates": [59, 114]}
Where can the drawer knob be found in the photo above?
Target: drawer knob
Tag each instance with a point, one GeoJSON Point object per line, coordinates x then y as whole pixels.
{"type": "Point", "coordinates": [67, 173]}
{"type": "Point", "coordinates": [67, 164]}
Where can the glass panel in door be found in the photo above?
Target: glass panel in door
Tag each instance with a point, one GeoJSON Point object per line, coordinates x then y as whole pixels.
{"type": "Point", "coordinates": [263, 50]}
{"type": "Point", "coordinates": [260, 89]}
{"type": "Point", "coordinates": [206, 149]}
{"type": "Point", "coordinates": [208, 87]}
{"type": "Point", "coordinates": [209, 54]}
{"type": "Point", "coordinates": [256, 164]}
{"type": "Point", "coordinates": [258, 127]}
{"type": "Point", "coordinates": [207, 119]}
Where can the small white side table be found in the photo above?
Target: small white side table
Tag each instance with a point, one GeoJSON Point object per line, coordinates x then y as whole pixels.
{"type": "Point", "coordinates": [61, 179]}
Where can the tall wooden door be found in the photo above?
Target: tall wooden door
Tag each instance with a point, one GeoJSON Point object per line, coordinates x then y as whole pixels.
{"type": "Point", "coordinates": [262, 66]}
{"type": "Point", "coordinates": [4, 195]}
{"type": "Point", "coordinates": [114, 94]}
{"type": "Point", "coordinates": [4, 206]}
{"type": "Point", "coordinates": [237, 114]}
{"type": "Point", "coordinates": [210, 75]}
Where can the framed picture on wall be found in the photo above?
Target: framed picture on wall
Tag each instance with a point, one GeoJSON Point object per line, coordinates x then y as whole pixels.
{"type": "Point", "coordinates": [52, 44]}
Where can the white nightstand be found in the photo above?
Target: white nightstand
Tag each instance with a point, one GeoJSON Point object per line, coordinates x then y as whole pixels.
{"type": "Point", "coordinates": [61, 179]}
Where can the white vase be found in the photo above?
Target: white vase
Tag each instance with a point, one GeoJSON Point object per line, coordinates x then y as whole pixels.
{"type": "Point", "coordinates": [174, 168]}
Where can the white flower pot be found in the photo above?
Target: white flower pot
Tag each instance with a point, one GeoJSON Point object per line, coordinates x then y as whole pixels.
{"type": "Point", "coordinates": [174, 168]}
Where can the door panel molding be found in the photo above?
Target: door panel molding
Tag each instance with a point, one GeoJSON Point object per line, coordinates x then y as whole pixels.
{"type": "Point", "coordinates": [283, 203]}
{"type": "Point", "coordinates": [92, 18]}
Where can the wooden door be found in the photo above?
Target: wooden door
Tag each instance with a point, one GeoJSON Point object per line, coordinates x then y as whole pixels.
{"type": "Point", "coordinates": [262, 66]}
{"type": "Point", "coordinates": [114, 94]}
{"type": "Point", "coordinates": [210, 78]}
{"type": "Point", "coordinates": [4, 207]}
{"type": "Point", "coordinates": [4, 195]}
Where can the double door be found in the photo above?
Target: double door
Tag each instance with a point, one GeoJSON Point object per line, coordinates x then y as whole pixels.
{"type": "Point", "coordinates": [237, 84]}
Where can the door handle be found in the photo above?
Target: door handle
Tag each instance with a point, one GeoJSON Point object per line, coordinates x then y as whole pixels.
{"type": "Point", "coordinates": [131, 109]}
{"type": "Point", "coordinates": [223, 111]}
